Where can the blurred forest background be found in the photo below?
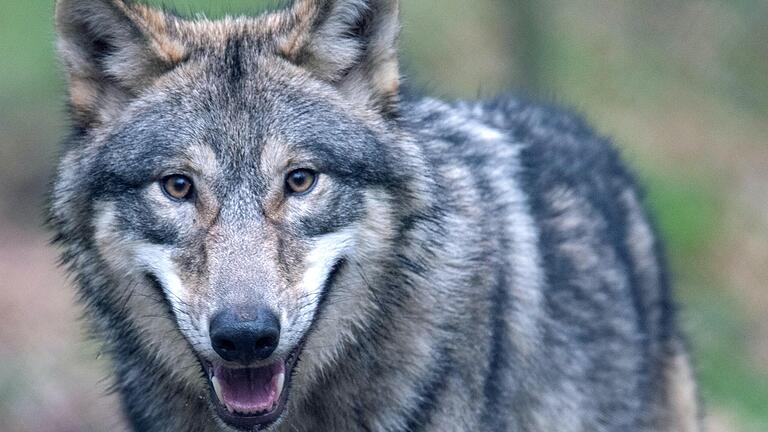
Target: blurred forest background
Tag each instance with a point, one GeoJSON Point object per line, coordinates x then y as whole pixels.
{"type": "Point", "coordinates": [681, 85]}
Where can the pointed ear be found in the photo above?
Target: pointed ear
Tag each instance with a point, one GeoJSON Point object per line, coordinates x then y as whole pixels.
{"type": "Point", "coordinates": [352, 44]}
{"type": "Point", "coordinates": [111, 49]}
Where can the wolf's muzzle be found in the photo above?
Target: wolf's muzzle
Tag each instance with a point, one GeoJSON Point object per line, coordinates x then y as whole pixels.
{"type": "Point", "coordinates": [245, 335]}
{"type": "Point", "coordinates": [246, 393]}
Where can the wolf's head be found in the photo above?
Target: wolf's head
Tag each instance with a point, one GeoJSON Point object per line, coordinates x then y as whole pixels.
{"type": "Point", "coordinates": [238, 182]}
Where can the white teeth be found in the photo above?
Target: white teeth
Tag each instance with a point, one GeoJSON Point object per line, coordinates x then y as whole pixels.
{"type": "Point", "coordinates": [251, 413]}
{"type": "Point", "coordinates": [217, 388]}
{"type": "Point", "coordinates": [280, 383]}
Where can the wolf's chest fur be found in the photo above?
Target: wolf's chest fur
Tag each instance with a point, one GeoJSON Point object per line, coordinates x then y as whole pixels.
{"type": "Point", "coordinates": [268, 235]}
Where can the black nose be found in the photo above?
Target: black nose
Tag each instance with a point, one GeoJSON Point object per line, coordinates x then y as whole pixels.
{"type": "Point", "coordinates": [245, 335]}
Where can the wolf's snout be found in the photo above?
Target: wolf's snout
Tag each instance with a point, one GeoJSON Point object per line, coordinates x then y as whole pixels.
{"type": "Point", "coordinates": [245, 335]}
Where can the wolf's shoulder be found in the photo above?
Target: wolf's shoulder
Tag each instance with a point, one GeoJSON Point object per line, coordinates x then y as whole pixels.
{"type": "Point", "coordinates": [555, 143]}
{"type": "Point", "coordinates": [559, 146]}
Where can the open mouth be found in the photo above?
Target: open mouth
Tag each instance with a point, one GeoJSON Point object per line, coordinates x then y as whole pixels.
{"type": "Point", "coordinates": [251, 398]}
{"type": "Point", "coordinates": [254, 398]}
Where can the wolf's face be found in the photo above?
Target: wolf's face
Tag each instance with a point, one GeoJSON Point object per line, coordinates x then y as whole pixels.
{"type": "Point", "coordinates": [232, 181]}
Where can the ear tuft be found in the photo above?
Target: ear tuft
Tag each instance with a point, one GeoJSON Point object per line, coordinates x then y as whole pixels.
{"type": "Point", "coordinates": [112, 49]}
{"type": "Point", "coordinates": [352, 44]}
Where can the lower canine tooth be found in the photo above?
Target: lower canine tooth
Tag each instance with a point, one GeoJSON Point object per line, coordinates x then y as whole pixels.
{"type": "Point", "coordinates": [217, 388]}
{"type": "Point", "coordinates": [280, 384]}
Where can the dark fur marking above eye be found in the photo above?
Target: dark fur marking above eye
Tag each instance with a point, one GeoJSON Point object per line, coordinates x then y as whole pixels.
{"type": "Point", "coordinates": [233, 58]}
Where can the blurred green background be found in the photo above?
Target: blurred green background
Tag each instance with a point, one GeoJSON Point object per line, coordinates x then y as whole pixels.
{"type": "Point", "coordinates": [682, 86]}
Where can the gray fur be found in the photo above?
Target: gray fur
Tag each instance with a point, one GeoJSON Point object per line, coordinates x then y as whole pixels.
{"type": "Point", "coordinates": [493, 268]}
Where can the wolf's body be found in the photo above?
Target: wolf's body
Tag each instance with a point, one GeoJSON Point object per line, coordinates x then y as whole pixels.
{"type": "Point", "coordinates": [479, 266]}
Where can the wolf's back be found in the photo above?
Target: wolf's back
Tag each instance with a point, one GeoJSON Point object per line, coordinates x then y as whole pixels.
{"type": "Point", "coordinates": [583, 323]}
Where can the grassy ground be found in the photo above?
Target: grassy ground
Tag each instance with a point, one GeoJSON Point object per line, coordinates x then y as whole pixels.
{"type": "Point", "coordinates": [680, 85]}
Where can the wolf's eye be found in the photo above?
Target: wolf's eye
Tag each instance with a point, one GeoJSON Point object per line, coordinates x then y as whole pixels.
{"type": "Point", "coordinates": [301, 181]}
{"type": "Point", "coordinates": [177, 186]}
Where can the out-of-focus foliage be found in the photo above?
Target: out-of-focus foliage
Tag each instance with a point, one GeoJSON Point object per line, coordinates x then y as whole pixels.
{"type": "Point", "coordinates": [682, 86]}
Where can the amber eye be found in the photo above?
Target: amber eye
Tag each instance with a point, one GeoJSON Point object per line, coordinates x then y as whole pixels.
{"type": "Point", "coordinates": [177, 186]}
{"type": "Point", "coordinates": [301, 181]}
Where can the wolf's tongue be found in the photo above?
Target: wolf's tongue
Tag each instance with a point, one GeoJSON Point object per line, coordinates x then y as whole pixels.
{"type": "Point", "coordinates": [252, 390]}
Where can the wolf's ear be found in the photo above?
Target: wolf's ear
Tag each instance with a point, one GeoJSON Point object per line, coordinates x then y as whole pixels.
{"type": "Point", "coordinates": [350, 43]}
{"type": "Point", "coordinates": [111, 49]}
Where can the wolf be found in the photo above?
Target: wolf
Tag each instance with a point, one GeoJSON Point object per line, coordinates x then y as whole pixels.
{"type": "Point", "coordinates": [268, 233]}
